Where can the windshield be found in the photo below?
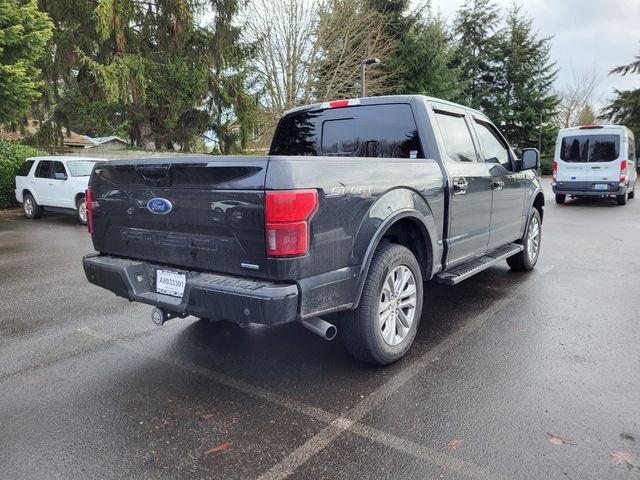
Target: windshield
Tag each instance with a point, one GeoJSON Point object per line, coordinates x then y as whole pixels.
{"type": "Point", "coordinates": [81, 168]}
{"type": "Point", "coordinates": [590, 148]}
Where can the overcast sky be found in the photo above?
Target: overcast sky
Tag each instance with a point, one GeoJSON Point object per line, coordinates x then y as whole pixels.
{"type": "Point", "coordinates": [588, 35]}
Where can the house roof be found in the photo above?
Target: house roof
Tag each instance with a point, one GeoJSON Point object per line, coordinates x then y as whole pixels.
{"type": "Point", "coordinates": [101, 140]}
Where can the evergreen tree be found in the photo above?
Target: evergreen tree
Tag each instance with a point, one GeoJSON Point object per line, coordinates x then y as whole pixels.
{"type": "Point", "coordinates": [425, 59]}
{"type": "Point", "coordinates": [520, 100]}
{"type": "Point", "coordinates": [24, 33]}
{"type": "Point", "coordinates": [625, 107]}
{"type": "Point", "coordinates": [475, 27]}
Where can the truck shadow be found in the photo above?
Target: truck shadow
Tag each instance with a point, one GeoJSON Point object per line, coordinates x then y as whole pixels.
{"type": "Point", "coordinates": [290, 360]}
{"type": "Point", "coordinates": [589, 202]}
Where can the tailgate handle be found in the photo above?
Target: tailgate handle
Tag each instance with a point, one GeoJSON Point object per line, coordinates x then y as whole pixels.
{"type": "Point", "coordinates": [155, 176]}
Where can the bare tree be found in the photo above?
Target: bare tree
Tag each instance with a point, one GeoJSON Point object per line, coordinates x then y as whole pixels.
{"type": "Point", "coordinates": [284, 34]}
{"type": "Point", "coordinates": [348, 32]}
{"type": "Point", "coordinates": [578, 98]}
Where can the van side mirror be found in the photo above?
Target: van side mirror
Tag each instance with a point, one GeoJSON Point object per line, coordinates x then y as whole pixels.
{"type": "Point", "coordinates": [530, 159]}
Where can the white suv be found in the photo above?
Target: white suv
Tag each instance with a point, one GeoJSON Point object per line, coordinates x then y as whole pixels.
{"type": "Point", "coordinates": [54, 183]}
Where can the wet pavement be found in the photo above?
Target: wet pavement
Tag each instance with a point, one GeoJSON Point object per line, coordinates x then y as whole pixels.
{"type": "Point", "coordinates": [512, 375]}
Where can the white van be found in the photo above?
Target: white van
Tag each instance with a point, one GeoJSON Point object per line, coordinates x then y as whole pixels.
{"type": "Point", "coordinates": [595, 160]}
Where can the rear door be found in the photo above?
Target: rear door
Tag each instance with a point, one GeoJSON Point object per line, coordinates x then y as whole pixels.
{"type": "Point", "coordinates": [590, 156]}
{"type": "Point", "coordinates": [40, 182]}
{"type": "Point", "coordinates": [508, 186]}
{"type": "Point", "coordinates": [469, 187]}
{"type": "Point", "coordinates": [200, 213]}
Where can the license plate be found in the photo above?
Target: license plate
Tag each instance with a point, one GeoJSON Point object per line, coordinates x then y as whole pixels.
{"type": "Point", "coordinates": [601, 186]}
{"type": "Point", "coordinates": [170, 283]}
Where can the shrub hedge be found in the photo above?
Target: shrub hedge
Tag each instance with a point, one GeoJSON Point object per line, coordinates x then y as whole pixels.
{"type": "Point", "coordinates": [546, 165]}
{"type": "Point", "coordinates": [12, 156]}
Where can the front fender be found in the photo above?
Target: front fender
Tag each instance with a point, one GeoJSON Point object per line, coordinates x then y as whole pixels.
{"type": "Point", "coordinates": [393, 206]}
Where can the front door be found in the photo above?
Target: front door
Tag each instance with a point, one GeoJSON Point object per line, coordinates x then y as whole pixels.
{"type": "Point", "coordinates": [508, 187]}
{"type": "Point", "coordinates": [469, 188]}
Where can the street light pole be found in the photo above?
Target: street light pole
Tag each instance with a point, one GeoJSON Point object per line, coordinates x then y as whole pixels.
{"type": "Point", "coordinates": [363, 65]}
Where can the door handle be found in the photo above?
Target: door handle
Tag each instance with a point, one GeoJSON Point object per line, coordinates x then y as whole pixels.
{"type": "Point", "coordinates": [497, 185]}
{"type": "Point", "coordinates": [460, 186]}
{"type": "Point", "coordinates": [51, 184]}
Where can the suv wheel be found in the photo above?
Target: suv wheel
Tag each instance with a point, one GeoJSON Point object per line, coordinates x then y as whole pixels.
{"type": "Point", "coordinates": [81, 208]}
{"type": "Point", "coordinates": [622, 199]}
{"type": "Point", "coordinates": [30, 207]}
{"type": "Point", "coordinates": [527, 258]}
{"type": "Point", "coordinates": [383, 327]}
{"type": "Point", "coordinates": [560, 198]}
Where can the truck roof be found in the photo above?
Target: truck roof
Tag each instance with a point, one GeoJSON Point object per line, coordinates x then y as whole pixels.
{"type": "Point", "coordinates": [381, 100]}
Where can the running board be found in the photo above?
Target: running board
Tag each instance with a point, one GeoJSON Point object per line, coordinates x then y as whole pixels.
{"type": "Point", "coordinates": [470, 268]}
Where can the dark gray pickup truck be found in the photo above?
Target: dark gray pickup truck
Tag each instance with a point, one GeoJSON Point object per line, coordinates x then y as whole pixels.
{"type": "Point", "coordinates": [357, 204]}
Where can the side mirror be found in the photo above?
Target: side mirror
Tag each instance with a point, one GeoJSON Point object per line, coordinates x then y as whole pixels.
{"type": "Point", "coordinates": [530, 159]}
{"type": "Point", "coordinates": [60, 176]}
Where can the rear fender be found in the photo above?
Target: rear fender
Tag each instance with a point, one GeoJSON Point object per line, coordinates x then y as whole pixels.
{"type": "Point", "coordinates": [397, 204]}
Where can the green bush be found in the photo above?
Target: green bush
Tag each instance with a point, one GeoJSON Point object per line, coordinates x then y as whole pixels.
{"type": "Point", "coordinates": [12, 156]}
{"type": "Point", "coordinates": [546, 165]}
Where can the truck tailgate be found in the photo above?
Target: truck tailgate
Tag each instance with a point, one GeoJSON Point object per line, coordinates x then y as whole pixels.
{"type": "Point", "coordinates": [202, 213]}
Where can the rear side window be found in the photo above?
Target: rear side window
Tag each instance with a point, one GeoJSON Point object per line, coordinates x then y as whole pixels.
{"type": "Point", "coordinates": [590, 148]}
{"type": "Point", "coordinates": [25, 168]}
{"type": "Point", "coordinates": [360, 131]}
{"type": "Point", "coordinates": [631, 153]}
{"type": "Point", "coordinates": [457, 137]}
{"type": "Point", "coordinates": [44, 169]}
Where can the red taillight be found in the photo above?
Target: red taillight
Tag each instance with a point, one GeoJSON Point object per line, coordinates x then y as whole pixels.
{"type": "Point", "coordinates": [555, 171]}
{"type": "Point", "coordinates": [342, 103]}
{"type": "Point", "coordinates": [287, 214]}
{"type": "Point", "coordinates": [623, 171]}
{"type": "Point", "coordinates": [589, 127]}
{"type": "Point", "coordinates": [89, 204]}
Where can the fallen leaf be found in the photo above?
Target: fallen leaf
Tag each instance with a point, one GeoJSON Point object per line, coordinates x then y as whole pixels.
{"type": "Point", "coordinates": [207, 416]}
{"type": "Point", "coordinates": [556, 440]}
{"type": "Point", "coordinates": [622, 458]}
{"type": "Point", "coordinates": [453, 444]}
{"type": "Point", "coordinates": [223, 447]}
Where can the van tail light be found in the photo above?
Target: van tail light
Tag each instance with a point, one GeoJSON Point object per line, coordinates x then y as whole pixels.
{"type": "Point", "coordinates": [89, 203]}
{"type": "Point", "coordinates": [287, 215]}
{"type": "Point", "coordinates": [555, 171]}
{"type": "Point", "coordinates": [623, 171]}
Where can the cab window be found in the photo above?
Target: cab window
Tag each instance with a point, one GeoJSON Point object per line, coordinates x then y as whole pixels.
{"type": "Point", "coordinates": [456, 136]}
{"type": "Point", "coordinates": [493, 148]}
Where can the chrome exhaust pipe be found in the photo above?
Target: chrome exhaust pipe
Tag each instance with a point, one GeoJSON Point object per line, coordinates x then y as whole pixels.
{"type": "Point", "coordinates": [320, 327]}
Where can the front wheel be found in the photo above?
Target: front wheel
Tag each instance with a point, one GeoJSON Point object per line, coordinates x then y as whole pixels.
{"type": "Point", "coordinates": [383, 327]}
{"type": "Point", "coordinates": [81, 208]}
{"type": "Point", "coordinates": [528, 257]}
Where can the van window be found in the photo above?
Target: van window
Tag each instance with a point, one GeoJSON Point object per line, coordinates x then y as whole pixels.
{"type": "Point", "coordinates": [457, 137]}
{"type": "Point", "coordinates": [631, 153]}
{"type": "Point", "coordinates": [387, 130]}
{"type": "Point", "coordinates": [590, 148]}
{"type": "Point", "coordinates": [25, 169]}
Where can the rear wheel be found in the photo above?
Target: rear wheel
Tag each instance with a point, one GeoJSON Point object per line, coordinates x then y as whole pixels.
{"type": "Point", "coordinates": [81, 208]}
{"type": "Point", "coordinates": [622, 199]}
{"type": "Point", "coordinates": [383, 327]}
{"type": "Point", "coordinates": [560, 198]}
{"type": "Point", "coordinates": [528, 257]}
{"type": "Point", "coordinates": [30, 207]}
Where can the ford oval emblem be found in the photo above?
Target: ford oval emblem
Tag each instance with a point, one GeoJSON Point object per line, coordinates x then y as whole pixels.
{"type": "Point", "coordinates": [159, 206]}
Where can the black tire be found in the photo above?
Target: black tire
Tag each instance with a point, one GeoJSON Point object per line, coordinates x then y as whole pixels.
{"type": "Point", "coordinates": [30, 207]}
{"type": "Point", "coordinates": [361, 332]}
{"type": "Point", "coordinates": [622, 199]}
{"type": "Point", "coordinates": [632, 194]}
{"type": "Point", "coordinates": [560, 198]}
{"type": "Point", "coordinates": [523, 262]}
{"type": "Point", "coordinates": [81, 208]}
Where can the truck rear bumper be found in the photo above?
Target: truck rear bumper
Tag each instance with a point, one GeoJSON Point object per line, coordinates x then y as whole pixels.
{"type": "Point", "coordinates": [206, 295]}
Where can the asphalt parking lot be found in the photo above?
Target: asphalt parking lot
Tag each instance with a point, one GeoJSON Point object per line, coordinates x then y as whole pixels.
{"type": "Point", "coordinates": [512, 375]}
